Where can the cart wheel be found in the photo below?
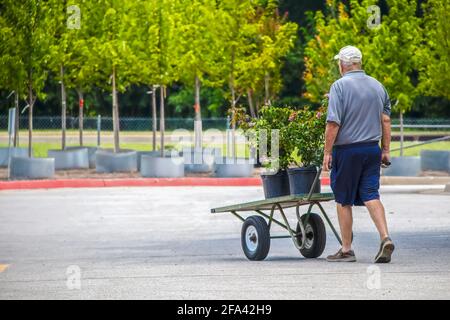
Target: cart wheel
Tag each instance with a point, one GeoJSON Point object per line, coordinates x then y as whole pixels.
{"type": "Point", "coordinates": [255, 238]}
{"type": "Point", "coordinates": [316, 236]}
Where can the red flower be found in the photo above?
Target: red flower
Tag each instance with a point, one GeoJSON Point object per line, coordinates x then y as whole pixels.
{"type": "Point", "coordinates": [293, 116]}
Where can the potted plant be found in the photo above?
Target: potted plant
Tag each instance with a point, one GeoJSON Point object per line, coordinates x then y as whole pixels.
{"type": "Point", "coordinates": [266, 131]}
{"type": "Point", "coordinates": [304, 139]}
{"type": "Point", "coordinates": [290, 162]}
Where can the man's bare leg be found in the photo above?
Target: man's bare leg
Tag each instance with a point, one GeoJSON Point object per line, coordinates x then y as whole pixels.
{"type": "Point", "coordinates": [345, 223]}
{"type": "Point", "coordinates": [378, 216]}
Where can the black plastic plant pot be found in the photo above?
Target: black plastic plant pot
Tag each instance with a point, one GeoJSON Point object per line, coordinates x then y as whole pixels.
{"type": "Point", "coordinates": [301, 180]}
{"type": "Point", "coordinates": [276, 185]}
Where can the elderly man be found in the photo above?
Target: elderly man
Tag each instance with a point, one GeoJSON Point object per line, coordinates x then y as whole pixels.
{"type": "Point", "coordinates": [358, 117]}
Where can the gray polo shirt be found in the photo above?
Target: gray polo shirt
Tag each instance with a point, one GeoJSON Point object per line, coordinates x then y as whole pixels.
{"type": "Point", "coordinates": [356, 103]}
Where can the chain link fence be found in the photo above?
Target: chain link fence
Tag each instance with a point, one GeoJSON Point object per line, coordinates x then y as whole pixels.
{"type": "Point", "coordinates": [145, 124]}
{"type": "Point", "coordinates": [422, 124]}
{"type": "Point", "coordinates": [106, 123]}
{"type": "Point", "coordinates": [136, 133]}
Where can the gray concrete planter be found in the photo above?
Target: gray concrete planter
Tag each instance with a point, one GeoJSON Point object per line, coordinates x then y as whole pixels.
{"type": "Point", "coordinates": [71, 158]}
{"type": "Point", "coordinates": [403, 166]}
{"type": "Point", "coordinates": [233, 167]}
{"type": "Point", "coordinates": [200, 161]}
{"type": "Point", "coordinates": [32, 168]}
{"type": "Point", "coordinates": [145, 153]}
{"type": "Point", "coordinates": [91, 154]}
{"type": "Point", "coordinates": [107, 161]}
{"type": "Point", "coordinates": [435, 160]}
{"type": "Point", "coordinates": [158, 167]}
{"type": "Point", "coordinates": [15, 152]}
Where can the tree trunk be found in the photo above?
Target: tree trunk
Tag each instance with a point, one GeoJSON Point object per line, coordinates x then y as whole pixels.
{"type": "Point", "coordinates": [401, 133]}
{"type": "Point", "coordinates": [250, 103]}
{"type": "Point", "coordinates": [16, 124]}
{"type": "Point", "coordinates": [115, 110]}
{"type": "Point", "coordinates": [161, 119]}
{"type": "Point", "coordinates": [198, 117]}
{"type": "Point", "coordinates": [30, 115]}
{"type": "Point", "coordinates": [63, 110]}
{"type": "Point", "coordinates": [233, 120]}
{"type": "Point", "coordinates": [267, 89]}
{"type": "Point", "coordinates": [257, 104]}
{"type": "Point", "coordinates": [80, 116]}
{"type": "Point", "coordinates": [154, 119]}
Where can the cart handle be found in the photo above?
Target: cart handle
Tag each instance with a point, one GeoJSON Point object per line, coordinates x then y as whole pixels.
{"type": "Point", "coordinates": [316, 179]}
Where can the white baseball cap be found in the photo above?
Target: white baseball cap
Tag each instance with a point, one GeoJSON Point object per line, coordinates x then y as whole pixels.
{"type": "Point", "coordinates": [349, 54]}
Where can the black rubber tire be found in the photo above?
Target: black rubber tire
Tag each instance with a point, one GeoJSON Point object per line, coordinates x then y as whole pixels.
{"type": "Point", "coordinates": [318, 236]}
{"type": "Point", "coordinates": [263, 238]}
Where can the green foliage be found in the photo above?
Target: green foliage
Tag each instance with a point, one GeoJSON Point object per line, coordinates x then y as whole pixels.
{"type": "Point", "coordinates": [273, 118]}
{"type": "Point", "coordinates": [391, 50]}
{"type": "Point", "coordinates": [388, 49]}
{"type": "Point", "coordinates": [304, 136]}
{"type": "Point", "coordinates": [199, 42]}
{"type": "Point", "coordinates": [301, 132]}
{"type": "Point", "coordinates": [25, 39]}
{"type": "Point", "coordinates": [181, 101]}
{"type": "Point", "coordinates": [434, 56]}
{"type": "Point", "coordinates": [239, 44]}
{"type": "Point", "coordinates": [269, 37]}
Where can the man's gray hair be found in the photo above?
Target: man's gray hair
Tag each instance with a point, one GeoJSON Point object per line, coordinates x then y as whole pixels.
{"type": "Point", "coordinates": [349, 63]}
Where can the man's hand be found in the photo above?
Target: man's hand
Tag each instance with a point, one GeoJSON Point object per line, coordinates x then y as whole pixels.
{"type": "Point", "coordinates": [327, 159]}
{"type": "Point", "coordinates": [385, 157]}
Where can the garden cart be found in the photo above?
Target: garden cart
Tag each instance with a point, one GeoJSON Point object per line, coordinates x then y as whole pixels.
{"type": "Point", "coordinates": [309, 236]}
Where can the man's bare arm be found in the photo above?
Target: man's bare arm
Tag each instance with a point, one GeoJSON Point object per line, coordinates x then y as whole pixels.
{"type": "Point", "coordinates": [386, 138]}
{"type": "Point", "coordinates": [331, 132]}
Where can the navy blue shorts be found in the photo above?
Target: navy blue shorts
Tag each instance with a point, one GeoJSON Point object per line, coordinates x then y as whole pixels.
{"type": "Point", "coordinates": [355, 173]}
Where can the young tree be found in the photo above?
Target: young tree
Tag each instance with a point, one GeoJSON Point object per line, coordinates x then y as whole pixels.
{"type": "Point", "coordinates": [145, 23]}
{"type": "Point", "coordinates": [110, 50]}
{"type": "Point", "coordinates": [59, 49]}
{"type": "Point", "coordinates": [29, 23]}
{"type": "Point", "coordinates": [200, 41]}
{"type": "Point", "coordinates": [339, 27]}
{"type": "Point", "coordinates": [268, 37]}
{"type": "Point", "coordinates": [388, 48]}
{"type": "Point", "coordinates": [390, 55]}
{"type": "Point", "coordinates": [81, 74]}
{"type": "Point", "coordinates": [434, 55]}
{"type": "Point", "coordinates": [156, 51]}
{"type": "Point", "coordinates": [255, 40]}
{"type": "Point", "coordinates": [278, 37]}
{"type": "Point", "coordinates": [12, 70]}
{"type": "Point", "coordinates": [169, 25]}
{"type": "Point", "coordinates": [233, 16]}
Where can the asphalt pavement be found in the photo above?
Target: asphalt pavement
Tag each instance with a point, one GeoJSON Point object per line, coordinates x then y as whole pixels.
{"type": "Point", "coordinates": [163, 243]}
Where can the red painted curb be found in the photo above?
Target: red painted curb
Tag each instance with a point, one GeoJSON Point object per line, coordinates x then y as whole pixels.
{"type": "Point", "coordinates": [143, 182]}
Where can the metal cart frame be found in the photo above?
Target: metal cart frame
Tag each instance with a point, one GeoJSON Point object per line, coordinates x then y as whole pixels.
{"type": "Point", "coordinates": [300, 236]}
